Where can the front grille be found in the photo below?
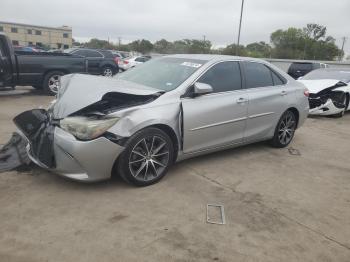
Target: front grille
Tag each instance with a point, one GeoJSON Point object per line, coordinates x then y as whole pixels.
{"type": "Point", "coordinates": [37, 127]}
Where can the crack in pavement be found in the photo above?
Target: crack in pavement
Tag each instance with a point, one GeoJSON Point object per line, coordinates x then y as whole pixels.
{"type": "Point", "coordinates": [272, 209]}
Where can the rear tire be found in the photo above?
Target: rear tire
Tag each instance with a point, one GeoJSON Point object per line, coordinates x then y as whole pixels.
{"type": "Point", "coordinates": [51, 83]}
{"type": "Point", "coordinates": [147, 157]}
{"type": "Point", "coordinates": [285, 130]}
{"type": "Point", "coordinates": [107, 71]}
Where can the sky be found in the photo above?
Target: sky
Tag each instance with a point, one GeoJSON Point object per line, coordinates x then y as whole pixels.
{"type": "Point", "coordinates": [179, 19]}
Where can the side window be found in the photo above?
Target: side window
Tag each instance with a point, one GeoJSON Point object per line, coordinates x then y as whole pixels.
{"type": "Point", "coordinates": [257, 75]}
{"type": "Point", "coordinates": [140, 59]}
{"type": "Point", "coordinates": [80, 52]}
{"type": "Point", "coordinates": [277, 81]}
{"type": "Point", "coordinates": [225, 76]}
{"type": "Point", "coordinates": [91, 53]}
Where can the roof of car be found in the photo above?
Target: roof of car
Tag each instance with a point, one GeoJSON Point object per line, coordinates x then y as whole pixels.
{"type": "Point", "coordinates": [334, 69]}
{"type": "Point", "coordinates": [214, 57]}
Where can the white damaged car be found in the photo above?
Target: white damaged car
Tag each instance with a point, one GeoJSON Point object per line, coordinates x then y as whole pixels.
{"type": "Point", "coordinates": [329, 91]}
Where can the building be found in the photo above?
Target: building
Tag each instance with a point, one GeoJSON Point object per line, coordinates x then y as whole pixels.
{"type": "Point", "coordinates": [43, 36]}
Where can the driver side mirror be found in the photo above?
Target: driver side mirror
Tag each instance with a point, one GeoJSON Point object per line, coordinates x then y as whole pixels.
{"type": "Point", "coordinates": [202, 89]}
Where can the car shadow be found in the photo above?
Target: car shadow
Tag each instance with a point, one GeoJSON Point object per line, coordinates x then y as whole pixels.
{"type": "Point", "coordinates": [46, 177]}
{"type": "Point", "coordinates": [20, 92]}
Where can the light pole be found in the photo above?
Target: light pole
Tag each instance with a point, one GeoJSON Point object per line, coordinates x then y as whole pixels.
{"type": "Point", "coordinates": [342, 48]}
{"type": "Point", "coordinates": [239, 30]}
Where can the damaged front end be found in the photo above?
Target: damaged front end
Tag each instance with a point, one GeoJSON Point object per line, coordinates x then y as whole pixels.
{"type": "Point", "coordinates": [330, 100]}
{"type": "Point", "coordinates": [71, 138]}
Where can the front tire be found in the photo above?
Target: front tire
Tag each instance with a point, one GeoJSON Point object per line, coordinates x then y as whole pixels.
{"type": "Point", "coordinates": [285, 130]}
{"type": "Point", "coordinates": [146, 158]}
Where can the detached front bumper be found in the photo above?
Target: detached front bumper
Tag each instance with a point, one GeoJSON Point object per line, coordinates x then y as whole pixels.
{"type": "Point", "coordinates": [326, 109]}
{"type": "Point", "coordinates": [60, 152]}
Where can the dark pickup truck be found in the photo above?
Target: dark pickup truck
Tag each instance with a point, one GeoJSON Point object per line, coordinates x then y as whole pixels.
{"type": "Point", "coordinates": [41, 70]}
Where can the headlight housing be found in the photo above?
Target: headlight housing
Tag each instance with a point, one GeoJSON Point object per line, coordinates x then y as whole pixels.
{"type": "Point", "coordinates": [87, 128]}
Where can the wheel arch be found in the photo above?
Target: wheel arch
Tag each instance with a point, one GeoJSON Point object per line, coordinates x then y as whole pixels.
{"type": "Point", "coordinates": [171, 133]}
{"type": "Point", "coordinates": [296, 113]}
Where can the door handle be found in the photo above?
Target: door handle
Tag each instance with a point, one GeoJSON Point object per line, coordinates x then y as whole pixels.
{"type": "Point", "coordinates": [283, 93]}
{"type": "Point", "coordinates": [241, 100]}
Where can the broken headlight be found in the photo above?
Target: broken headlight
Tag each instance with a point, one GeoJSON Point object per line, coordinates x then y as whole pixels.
{"type": "Point", "coordinates": [87, 128]}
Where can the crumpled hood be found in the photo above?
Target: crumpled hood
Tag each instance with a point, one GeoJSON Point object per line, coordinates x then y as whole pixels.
{"type": "Point", "coordinates": [79, 91]}
{"type": "Point", "coordinates": [316, 86]}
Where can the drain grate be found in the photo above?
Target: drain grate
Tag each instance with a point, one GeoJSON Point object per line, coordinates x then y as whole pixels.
{"type": "Point", "coordinates": [215, 214]}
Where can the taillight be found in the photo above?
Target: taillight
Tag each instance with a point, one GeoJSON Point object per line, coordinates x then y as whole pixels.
{"type": "Point", "coordinates": [306, 93]}
{"type": "Point", "coordinates": [126, 62]}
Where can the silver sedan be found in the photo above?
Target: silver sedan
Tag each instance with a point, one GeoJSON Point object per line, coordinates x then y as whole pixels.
{"type": "Point", "coordinates": [172, 108]}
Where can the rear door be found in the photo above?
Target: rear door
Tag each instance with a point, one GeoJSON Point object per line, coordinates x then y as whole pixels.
{"type": "Point", "coordinates": [6, 74]}
{"type": "Point", "coordinates": [219, 118]}
{"type": "Point", "coordinates": [93, 58]}
{"type": "Point", "coordinates": [268, 99]}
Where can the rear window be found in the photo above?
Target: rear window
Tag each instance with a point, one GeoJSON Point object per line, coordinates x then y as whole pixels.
{"type": "Point", "coordinates": [301, 66]}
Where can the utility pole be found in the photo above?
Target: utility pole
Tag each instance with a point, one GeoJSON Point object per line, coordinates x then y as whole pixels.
{"type": "Point", "coordinates": [204, 38]}
{"type": "Point", "coordinates": [119, 41]}
{"type": "Point", "coordinates": [239, 30]}
{"type": "Point", "coordinates": [342, 47]}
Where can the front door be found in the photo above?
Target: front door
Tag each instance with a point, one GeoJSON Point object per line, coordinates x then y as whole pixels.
{"type": "Point", "coordinates": [219, 118]}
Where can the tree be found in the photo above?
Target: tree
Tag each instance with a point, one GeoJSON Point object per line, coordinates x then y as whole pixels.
{"type": "Point", "coordinates": [231, 50]}
{"type": "Point", "coordinates": [163, 47]}
{"type": "Point", "coordinates": [259, 49]}
{"type": "Point", "coordinates": [99, 44]}
{"type": "Point", "coordinates": [143, 46]}
{"type": "Point", "coordinates": [310, 42]}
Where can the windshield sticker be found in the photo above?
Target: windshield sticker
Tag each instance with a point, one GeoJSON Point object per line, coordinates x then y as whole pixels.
{"type": "Point", "coordinates": [191, 64]}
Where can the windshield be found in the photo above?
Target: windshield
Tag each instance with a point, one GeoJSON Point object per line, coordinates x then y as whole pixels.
{"type": "Point", "coordinates": [341, 75]}
{"type": "Point", "coordinates": [165, 73]}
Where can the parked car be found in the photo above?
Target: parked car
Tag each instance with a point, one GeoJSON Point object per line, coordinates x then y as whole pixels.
{"type": "Point", "coordinates": [118, 56]}
{"type": "Point", "coordinates": [100, 62]}
{"type": "Point", "coordinates": [329, 91]}
{"type": "Point", "coordinates": [131, 62]}
{"type": "Point", "coordinates": [172, 108]}
{"type": "Point", "coordinates": [299, 69]}
{"type": "Point", "coordinates": [37, 69]}
{"type": "Point", "coordinates": [27, 49]}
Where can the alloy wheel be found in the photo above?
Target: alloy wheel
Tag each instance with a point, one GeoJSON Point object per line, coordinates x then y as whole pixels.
{"type": "Point", "coordinates": [149, 158]}
{"type": "Point", "coordinates": [287, 128]}
{"type": "Point", "coordinates": [54, 83]}
{"type": "Point", "coordinates": [108, 72]}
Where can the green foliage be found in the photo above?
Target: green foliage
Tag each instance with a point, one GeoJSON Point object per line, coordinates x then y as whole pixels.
{"type": "Point", "coordinates": [163, 46]}
{"type": "Point", "coordinates": [99, 44]}
{"type": "Point", "coordinates": [259, 50]}
{"type": "Point", "coordinates": [185, 46]}
{"type": "Point", "coordinates": [310, 42]}
{"type": "Point", "coordinates": [143, 46]}
{"type": "Point", "coordinates": [232, 50]}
